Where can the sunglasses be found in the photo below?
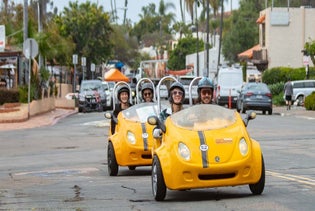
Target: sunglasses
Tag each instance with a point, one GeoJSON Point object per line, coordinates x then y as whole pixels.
{"type": "Point", "coordinates": [147, 94]}
{"type": "Point", "coordinates": [177, 93]}
{"type": "Point", "coordinates": [206, 92]}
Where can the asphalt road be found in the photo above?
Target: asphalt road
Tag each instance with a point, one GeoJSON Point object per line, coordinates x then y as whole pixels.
{"type": "Point", "coordinates": [64, 167]}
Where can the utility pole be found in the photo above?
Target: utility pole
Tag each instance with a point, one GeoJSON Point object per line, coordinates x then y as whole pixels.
{"type": "Point", "coordinates": [220, 41]}
{"type": "Point", "coordinates": [25, 20]}
{"type": "Point", "coordinates": [207, 44]}
{"type": "Point", "coordinates": [196, 20]}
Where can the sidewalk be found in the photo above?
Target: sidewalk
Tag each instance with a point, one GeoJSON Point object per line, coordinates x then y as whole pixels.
{"type": "Point", "coordinates": [48, 118]}
{"type": "Point", "coordinates": [294, 111]}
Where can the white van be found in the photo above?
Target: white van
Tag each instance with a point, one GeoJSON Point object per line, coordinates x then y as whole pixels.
{"type": "Point", "coordinates": [301, 89]}
{"type": "Point", "coordinates": [229, 82]}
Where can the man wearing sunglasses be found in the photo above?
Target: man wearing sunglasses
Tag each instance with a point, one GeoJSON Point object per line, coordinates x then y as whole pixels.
{"type": "Point", "coordinates": [205, 91]}
{"type": "Point", "coordinates": [147, 92]}
{"type": "Point", "coordinates": [176, 97]}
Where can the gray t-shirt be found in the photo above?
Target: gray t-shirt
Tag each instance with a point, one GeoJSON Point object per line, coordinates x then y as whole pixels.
{"type": "Point", "coordinates": [288, 88]}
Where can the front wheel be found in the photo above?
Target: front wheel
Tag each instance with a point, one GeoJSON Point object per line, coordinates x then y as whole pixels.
{"type": "Point", "coordinates": [258, 187]}
{"type": "Point", "coordinates": [111, 160]}
{"type": "Point", "coordinates": [158, 184]}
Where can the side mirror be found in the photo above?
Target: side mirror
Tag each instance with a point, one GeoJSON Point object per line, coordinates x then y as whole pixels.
{"type": "Point", "coordinates": [108, 115]}
{"type": "Point", "coordinates": [154, 120]}
{"type": "Point", "coordinates": [250, 115]}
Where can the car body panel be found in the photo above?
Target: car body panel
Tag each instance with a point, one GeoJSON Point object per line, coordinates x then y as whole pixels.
{"type": "Point", "coordinates": [213, 141]}
{"type": "Point", "coordinates": [134, 120]}
{"type": "Point", "coordinates": [301, 89]}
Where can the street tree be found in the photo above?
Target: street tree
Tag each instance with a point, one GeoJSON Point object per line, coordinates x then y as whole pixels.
{"type": "Point", "coordinates": [89, 28]}
{"type": "Point", "coordinates": [185, 46]}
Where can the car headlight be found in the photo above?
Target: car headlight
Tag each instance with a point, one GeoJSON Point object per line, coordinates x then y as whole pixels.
{"type": "Point", "coordinates": [184, 151]}
{"type": "Point", "coordinates": [243, 147]}
{"type": "Point", "coordinates": [131, 137]}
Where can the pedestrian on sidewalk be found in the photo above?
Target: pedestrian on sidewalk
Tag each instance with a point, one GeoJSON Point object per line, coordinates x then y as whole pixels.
{"type": "Point", "coordinates": [288, 92]}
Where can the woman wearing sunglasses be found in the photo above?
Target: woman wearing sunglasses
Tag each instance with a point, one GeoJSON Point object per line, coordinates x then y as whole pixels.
{"type": "Point", "coordinates": [176, 97]}
{"type": "Point", "coordinates": [205, 91]}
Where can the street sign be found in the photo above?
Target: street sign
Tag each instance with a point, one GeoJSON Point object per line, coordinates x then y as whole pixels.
{"type": "Point", "coordinates": [306, 60]}
{"type": "Point", "coordinates": [30, 48]}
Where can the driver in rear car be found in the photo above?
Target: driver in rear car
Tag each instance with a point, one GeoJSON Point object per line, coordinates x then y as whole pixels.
{"type": "Point", "coordinates": [176, 97]}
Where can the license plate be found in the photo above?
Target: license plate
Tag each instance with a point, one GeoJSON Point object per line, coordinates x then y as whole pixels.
{"type": "Point", "coordinates": [92, 100]}
{"type": "Point", "coordinates": [259, 96]}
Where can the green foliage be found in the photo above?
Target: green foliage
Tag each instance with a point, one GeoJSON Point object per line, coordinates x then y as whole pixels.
{"type": "Point", "coordinates": [276, 88]}
{"type": "Point", "coordinates": [310, 102]}
{"type": "Point", "coordinates": [90, 29]}
{"type": "Point", "coordinates": [283, 74]}
{"type": "Point", "coordinates": [23, 93]}
{"type": "Point", "coordinates": [9, 96]}
{"type": "Point", "coordinates": [277, 93]}
{"type": "Point", "coordinates": [310, 49]}
{"type": "Point", "coordinates": [187, 45]}
{"type": "Point", "coordinates": [243, 32]}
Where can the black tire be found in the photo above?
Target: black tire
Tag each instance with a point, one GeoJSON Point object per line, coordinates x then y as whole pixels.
{"type": "Point", "coordinates": [111, 160]}
{"type": "Point", "coordinates": [242, 108]}
{"type": "Point", "coordinates": [132, 168]}
{"type": "Point", "coordinates": [270, 111]}
{"type": "Point", "coordinates": [258, 187]}
{"type": "Point", "coordinates": [264, 112]}
{"type": "Point", "coordinates": [157, 179]}
{"type": "Point", "coordinates": [80, 109]}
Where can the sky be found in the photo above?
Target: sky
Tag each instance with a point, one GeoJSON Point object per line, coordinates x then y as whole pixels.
{"type": "Point", "coordinates": [134, 6]}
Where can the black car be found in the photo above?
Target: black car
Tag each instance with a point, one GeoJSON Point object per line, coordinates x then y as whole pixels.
{"type": "Point", "coordinates": [254, 96]}
{"type": "Point", "coordinates": [91, 96]}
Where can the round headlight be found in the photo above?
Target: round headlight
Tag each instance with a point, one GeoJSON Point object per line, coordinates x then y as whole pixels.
{"type": "Point", "coordinates": [131, 137]}
{"type": "Point", "coordinates": [183, 151]}
{"type": "Point", "coordinates": [243, 147]}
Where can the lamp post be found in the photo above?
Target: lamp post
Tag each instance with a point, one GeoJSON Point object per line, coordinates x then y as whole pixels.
{"type": "Point", "coordinates": [75, 62]}
{"type": "Point", "coordinates": [92, 70]}
{"type": "Point", "coordinates": [83, 64]}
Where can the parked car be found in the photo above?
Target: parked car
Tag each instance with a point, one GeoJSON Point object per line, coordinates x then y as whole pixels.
{"type": "Point", "coordinates": [229, 82]}
{"type": "Point", "coordinates": [254, 96]}
{"type": "Point", "coordinates": [91, 96]}
{"type": "Point", "coordinates": [301, 89]}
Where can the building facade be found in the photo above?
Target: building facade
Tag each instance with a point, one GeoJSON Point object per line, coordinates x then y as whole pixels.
{"type": "Point", "coordinates": [282, 35]}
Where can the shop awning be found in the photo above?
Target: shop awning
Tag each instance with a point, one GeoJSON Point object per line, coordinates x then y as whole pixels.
{"type": "Point", "coordinates": [248, 54]}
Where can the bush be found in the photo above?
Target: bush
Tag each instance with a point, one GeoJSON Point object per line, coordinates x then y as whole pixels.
{"type": "Point", "coordinates": [310, 102]}
{"type": "Point", "coordinates": [282, 74]}
{"type": "Point", "coordinates": [23, 93]}
{"type": "Point", "coordinates": [9, 96]}
{"type": "Point", "coordinates": [276, 88]}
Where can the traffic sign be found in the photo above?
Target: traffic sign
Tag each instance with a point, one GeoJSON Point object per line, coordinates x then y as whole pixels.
{"type": "Point", "coordinates": [306, 60]}
{"type": "Point", "coordinates": [30, 48]}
